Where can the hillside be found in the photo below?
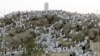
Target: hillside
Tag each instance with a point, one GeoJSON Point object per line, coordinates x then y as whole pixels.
{"type": "Point", "coordinates": [50, 29]}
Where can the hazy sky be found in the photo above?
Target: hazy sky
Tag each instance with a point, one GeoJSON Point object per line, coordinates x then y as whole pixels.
{"type": "Point", "coordinates": [82, 6]}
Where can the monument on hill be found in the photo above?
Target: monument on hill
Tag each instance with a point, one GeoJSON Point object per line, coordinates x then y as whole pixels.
{"type": "Point", "coordinates": [46, 6]}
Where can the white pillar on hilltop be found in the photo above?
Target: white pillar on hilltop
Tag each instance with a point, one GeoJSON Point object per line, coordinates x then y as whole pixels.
{"type": "Point", "coordinates": [46, 6]}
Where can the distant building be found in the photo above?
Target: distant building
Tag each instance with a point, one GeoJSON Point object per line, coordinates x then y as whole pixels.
{"type": "Point", "coordinates": [95, 47]}
{"type": "Point", "coordinates": [59, 54]}
{"type": "Point", "coordinates": [46, 6]}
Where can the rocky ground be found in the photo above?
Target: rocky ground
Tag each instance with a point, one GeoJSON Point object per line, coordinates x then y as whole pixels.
{"type": "Point", "coordinates": [54, 30]}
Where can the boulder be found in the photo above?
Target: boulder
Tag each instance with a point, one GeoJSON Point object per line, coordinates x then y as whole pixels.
{"type": "Point", "coordinates": [58, 26]}
{"type": "Point", "coordinates": [19, 30]}
{"type": "Point", "coordinates": [53, 19]}
{"type": "Point", "coordinates": [8, 21]}
{"type": "Point", "coordinates": [66, 28]}
{"type": "Point", "coordinates": [92, 33]}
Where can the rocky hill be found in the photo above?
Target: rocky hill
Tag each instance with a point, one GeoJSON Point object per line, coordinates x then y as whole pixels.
{"type": "Point", "coordinates": [50, 29]}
